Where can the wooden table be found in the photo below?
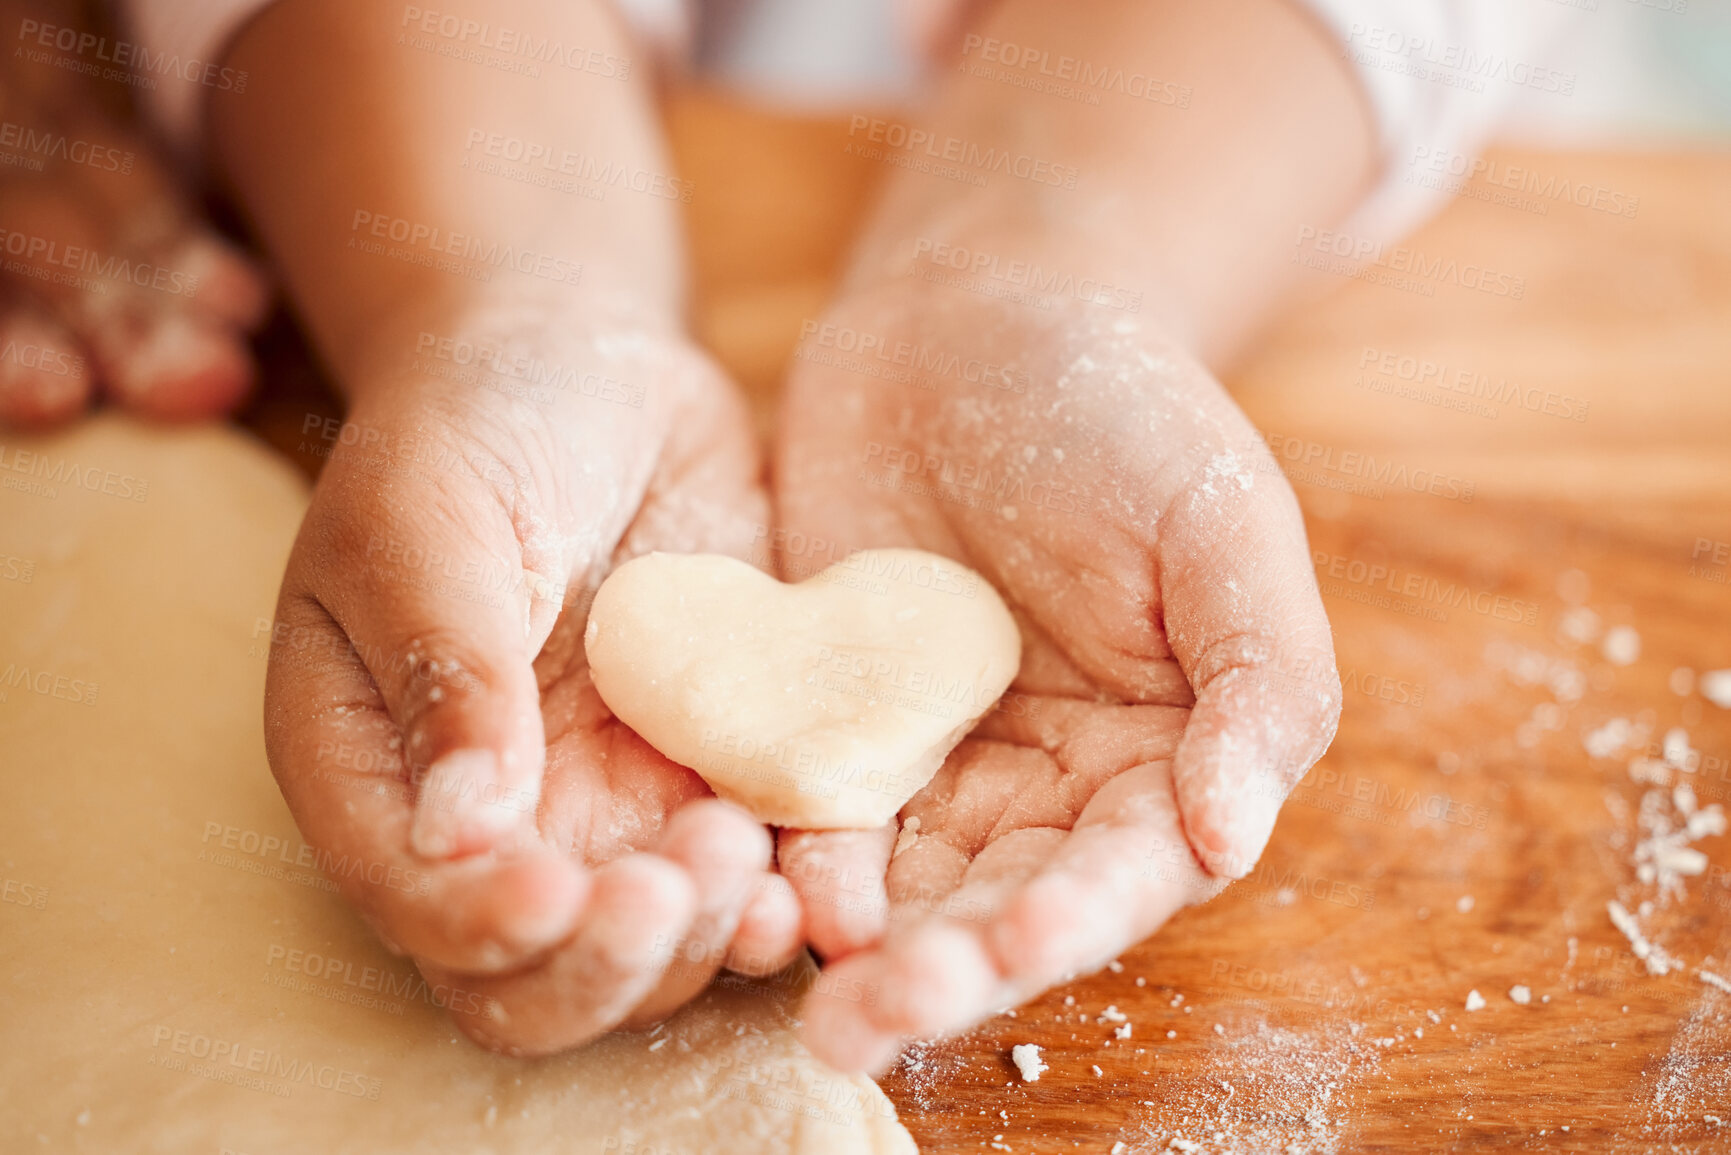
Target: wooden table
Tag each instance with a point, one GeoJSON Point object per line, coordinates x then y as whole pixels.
{"type": "Point", "coordinates": [1457, 837]}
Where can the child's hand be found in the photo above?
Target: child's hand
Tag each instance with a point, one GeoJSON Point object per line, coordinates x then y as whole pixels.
{"type": "Point", "coordinates": [429, 712]}
{"type": "Point", "coordinates": [107, 282]}
{"type": "Point", "coordinates": [1178, 675]}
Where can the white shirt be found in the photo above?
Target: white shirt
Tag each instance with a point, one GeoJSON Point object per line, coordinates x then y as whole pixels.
{"type": "Point", "coordinates": [1440, 74]}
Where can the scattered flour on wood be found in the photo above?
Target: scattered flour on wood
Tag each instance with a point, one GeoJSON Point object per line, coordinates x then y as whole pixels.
{"type": "Point", "coordinates": [1692, 1082]}
{"type": "Point", "coordinates": [1658, 962]}
{"type": "Point", "coordinates": [1261, 1089]}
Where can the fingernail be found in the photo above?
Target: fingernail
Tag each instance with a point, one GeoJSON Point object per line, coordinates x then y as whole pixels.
{"type": "Point", "coordinates": [459, 805]}
{"type": "Point", "coordinates": [1246, 823]}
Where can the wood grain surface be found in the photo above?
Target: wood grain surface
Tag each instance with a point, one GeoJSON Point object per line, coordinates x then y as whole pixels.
{"type": "Point", "coordinates": [1457, 837]}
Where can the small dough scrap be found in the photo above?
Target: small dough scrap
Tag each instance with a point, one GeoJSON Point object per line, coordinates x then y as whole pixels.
{"type": "Point", "coordinates": [822, 705]}
{"type": "Point", "coordinates": [1029, 1065]}
{"type": "Point", "coordinates": [179, 973]}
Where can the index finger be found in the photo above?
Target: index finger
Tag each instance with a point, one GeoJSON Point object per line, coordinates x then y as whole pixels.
{"type": "Point", "coordinates": [1121, 871]}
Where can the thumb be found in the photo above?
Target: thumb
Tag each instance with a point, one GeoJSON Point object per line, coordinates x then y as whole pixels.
{"type": "Point", "coordinates": [430, 587]}
{"type": "Point", "coordinates": [1247, 624]}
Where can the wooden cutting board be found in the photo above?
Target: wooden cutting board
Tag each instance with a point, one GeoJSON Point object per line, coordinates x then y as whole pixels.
{"type": "Point", "coordinates": [1458, 837]}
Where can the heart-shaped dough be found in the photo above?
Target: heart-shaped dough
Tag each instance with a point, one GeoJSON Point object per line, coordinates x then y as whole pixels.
{"type": "Point", "coordinates": [822, 705]}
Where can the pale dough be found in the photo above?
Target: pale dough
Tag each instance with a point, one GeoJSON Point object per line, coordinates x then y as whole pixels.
{"type": "Point", "coordinates": [823, 705]}
{"type": "Point", "coordinates": [174, 976]}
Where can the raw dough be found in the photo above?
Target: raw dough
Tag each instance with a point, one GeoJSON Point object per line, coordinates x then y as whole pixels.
{"type": "Point", "coordinates": [825, 704]}
{"type": "Point", "coordinates": [177, 977]}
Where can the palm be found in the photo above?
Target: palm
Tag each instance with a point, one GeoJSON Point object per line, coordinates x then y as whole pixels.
{"type": "Point", "coordinates": [614, 857]}
{"type": "Point", "coordinates": [605, 792]}
{"type": "Point", "coordinates": [1122, 506]}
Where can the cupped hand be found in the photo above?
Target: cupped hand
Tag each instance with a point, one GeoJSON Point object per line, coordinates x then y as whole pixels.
{"type": "Point", "coordinates": [108, 282]}
{"type": "Point", "coordinates": [1178, 671]}
{"type": "Point", "coordinates": [430, 716]}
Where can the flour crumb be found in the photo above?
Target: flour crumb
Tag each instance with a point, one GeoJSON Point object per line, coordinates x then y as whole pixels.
{"type": "Point", "coordinates": [1026, 1056]}
{"type": "Point", "coordinates": [910, 834]}
{"type": "Point", "coordinates": [1675, 748]}
{"type": "Point", "coordinates": [1579, 625]}
{"type": "Point", "coordinates": [1622, 645]}
{"type": "Point", "coordinates": [1713, 980]}
{"type": "Point", "coordinates": [1520, 994]}
{"type": "Point", "coordinates": [1704, 823]}
{"type": "Point", "coordinates": [1475, 1001]}
{"type": "Point", "coordinates": [1609, 740]}
{"type": "Point", "coordinates": [1658, 962]}
{"type": "Point", "coordinates": [1715, 686]}
{"type": "Point", "coordinates": [1464, 903]}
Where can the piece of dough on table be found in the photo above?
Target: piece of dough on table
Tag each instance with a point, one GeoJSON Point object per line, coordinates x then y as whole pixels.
{"type": "Point", "coordinates": [176, 975]}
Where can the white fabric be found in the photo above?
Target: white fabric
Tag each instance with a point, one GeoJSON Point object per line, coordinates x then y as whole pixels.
{"type": "Point", "coordinates": [1439, 73]}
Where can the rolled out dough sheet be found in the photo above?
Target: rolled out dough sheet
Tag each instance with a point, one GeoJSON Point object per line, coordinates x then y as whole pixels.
{"type": "Point", "coordinates": [176, 975]}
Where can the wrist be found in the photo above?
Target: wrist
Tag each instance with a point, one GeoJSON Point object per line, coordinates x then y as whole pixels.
{"type": "Point", "coordinates": [549, 345]}
{"type": "Point", "coordinates": [999, 256]}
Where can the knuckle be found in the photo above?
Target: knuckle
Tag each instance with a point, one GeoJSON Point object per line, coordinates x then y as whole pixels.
{"type": "Point", "coordinates": [1241, 650]}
